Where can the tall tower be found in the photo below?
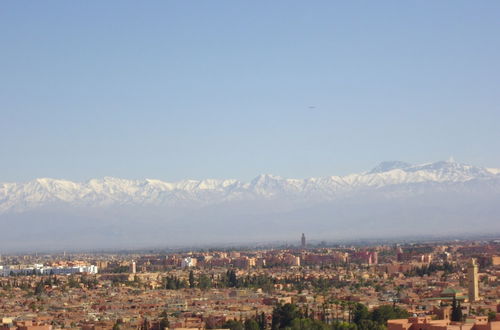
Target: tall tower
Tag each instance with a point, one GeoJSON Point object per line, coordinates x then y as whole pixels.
{"type": "Point", "coordinates": [303, 241]}
{"type": "Point", "coordinates": [133, 268]}
{"type": "Point", "coordinates": [472, 277]}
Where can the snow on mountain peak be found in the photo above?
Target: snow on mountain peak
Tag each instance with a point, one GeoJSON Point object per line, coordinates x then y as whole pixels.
{"type": "Point", "coordinates": [494, 171]}
{"type": "Point", "coordinates": [448, 170]}
{"type": "Point", "coordinates": [110, 190]}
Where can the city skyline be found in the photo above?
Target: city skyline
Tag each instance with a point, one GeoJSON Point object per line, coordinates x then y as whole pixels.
{"type": "Point", "coordinates": [443, 284]}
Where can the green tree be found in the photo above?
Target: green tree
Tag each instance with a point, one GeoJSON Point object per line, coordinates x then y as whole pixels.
{"type": "Point", "coordinates": [383, 313]}
{"type": "Point", "coordinates": [145, 324]}
{"type": "Point", "coordinates": [308, 324]}
{"type": "Point", "coordinates": [40, 288]}
{"type": "Point", "coordinates": [72, 282]}
{"type": "Point", "coordinates": [233, 325]}
{"type": "Point", "coordinates": [456, 311]}
{"type": "Point", "coordinates": [251, 324]}
{"type": "Point", "coordinates": [283, 315]}
{"type": "Point", "coordinates": [164, 323]}
{"type": "Point", "coordinates": [204, 282]}
{"type": "Point", "coordinates": [262, 321]}
{"type": "Point", "coordinates": [191, 280]}
{"type": "Point", "coordinates": [370, 325]}
{"type": "Point", "coordinates": [360, 313]}
{"type": "Point", "coordinates": [344, 326]}
{"type": "Point", "coordinates": [232, 279]}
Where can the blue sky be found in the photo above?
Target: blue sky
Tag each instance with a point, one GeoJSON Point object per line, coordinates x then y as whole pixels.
{"type": "Point", "coordinates": [231, 89]}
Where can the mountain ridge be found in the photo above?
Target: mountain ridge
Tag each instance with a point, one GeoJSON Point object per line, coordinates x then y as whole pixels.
{"type": "Point", "coordinates": [20, 197]}
{"type": "Point", "coordinates": [392, 200]}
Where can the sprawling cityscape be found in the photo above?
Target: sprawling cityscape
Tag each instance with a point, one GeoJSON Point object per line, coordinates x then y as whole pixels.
{"type": "Point", "coordinates": [249, 165]}
{"type": "Point", "coordinates": [449, 285]}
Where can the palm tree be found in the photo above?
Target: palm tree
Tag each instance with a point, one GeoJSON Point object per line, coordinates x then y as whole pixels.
{"type": "Point", "coordinates": [350, 305]}
{"type": "Point", "coordinates": [336, 302]}
{"type": "Point", "coordinates": [342, 305]}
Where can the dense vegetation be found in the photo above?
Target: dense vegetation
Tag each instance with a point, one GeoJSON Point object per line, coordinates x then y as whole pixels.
{"type": "Point", "coordinates": [291, 317]}
{"type": "Point", "coordinates": [264, 282]}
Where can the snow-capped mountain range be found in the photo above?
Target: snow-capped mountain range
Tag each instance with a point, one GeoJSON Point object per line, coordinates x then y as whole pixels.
{"type": "Point", "coordinates": [107, 192]}
{"type": "Point", "coordinates": [392, 200]}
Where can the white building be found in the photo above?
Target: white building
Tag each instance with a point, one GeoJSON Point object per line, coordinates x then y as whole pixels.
{"type": "Point", "coordinates": [39, 269]}
{"type": "Point", "coordinates": [188, 262]}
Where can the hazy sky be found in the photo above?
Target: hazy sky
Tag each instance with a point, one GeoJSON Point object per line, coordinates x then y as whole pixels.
{"type": "Point", "coordinates": [231, 89]}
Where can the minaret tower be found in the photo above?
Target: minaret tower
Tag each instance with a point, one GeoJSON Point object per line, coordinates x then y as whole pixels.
{"type": "Point", "coordinates": [133, 267]}
{"type": "Point", "coordinates": [472, 277]}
